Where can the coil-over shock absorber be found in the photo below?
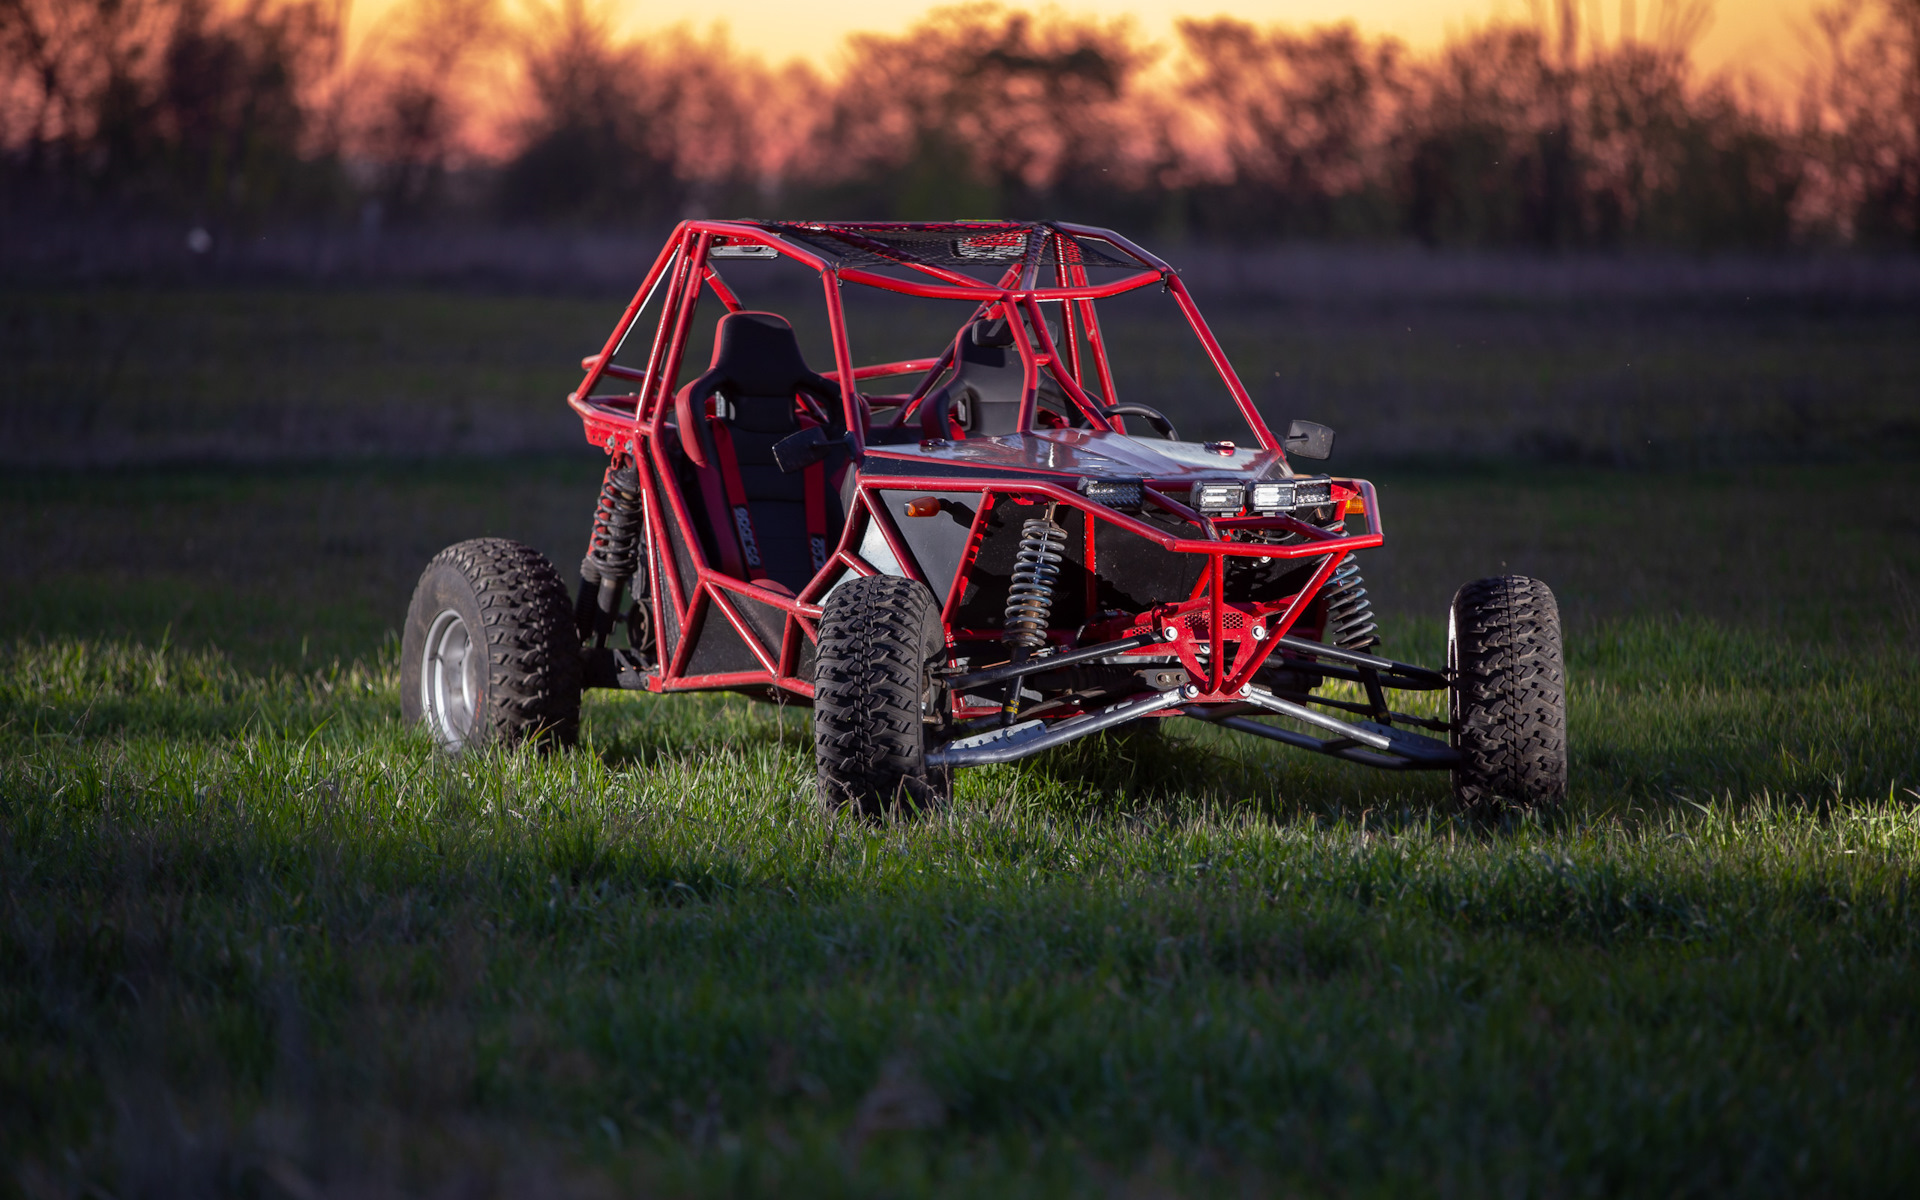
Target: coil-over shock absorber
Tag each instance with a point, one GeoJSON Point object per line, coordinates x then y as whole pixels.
{"type": "Point", "coordinates": [1349, 613]}
{"type": "Point", "coordinates": [1350, 622]}
{"type": "Point", "coordinates": [613, 555]}
{"type": "Point", "coordinates": [1036, 570]}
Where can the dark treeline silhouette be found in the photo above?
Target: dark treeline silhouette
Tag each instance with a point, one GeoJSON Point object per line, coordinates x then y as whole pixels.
{"type": "Point", "coordinates": [1563, 130]}
{"type": "Point", "coordinates": [168, 103]}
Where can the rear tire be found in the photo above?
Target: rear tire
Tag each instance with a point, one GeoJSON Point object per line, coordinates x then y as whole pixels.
{"type": "Point", "coordinates": [490, 652]}
{"type": "Point", "coordinates": [1507, 703]}
{"type": "Point", "coordinates": [874, 695]}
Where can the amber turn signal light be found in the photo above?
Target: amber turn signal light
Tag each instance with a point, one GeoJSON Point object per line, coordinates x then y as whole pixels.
{"type": "Point", "coordinates": [923, 506]}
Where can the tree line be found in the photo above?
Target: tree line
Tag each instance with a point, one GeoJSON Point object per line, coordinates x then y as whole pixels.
{"type": "Point", "coordinates": [1568, 128]}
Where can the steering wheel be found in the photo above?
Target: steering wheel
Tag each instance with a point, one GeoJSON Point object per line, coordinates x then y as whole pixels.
{"type": "Point", "coordinates": [1154, 417]}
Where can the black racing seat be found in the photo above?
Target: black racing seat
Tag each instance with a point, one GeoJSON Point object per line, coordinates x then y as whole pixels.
{"type": "Point", "coordinates": [984, 393]}
{"type": "Point", "coordinates": [758, 512]}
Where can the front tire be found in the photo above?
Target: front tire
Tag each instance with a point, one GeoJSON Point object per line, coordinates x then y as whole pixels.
{"type": "Point", "coordinates": [490, 652]}
{"type": "Point", "coordinates": [1507, 703]}
{"type": "Point", "coordinates": [875, 695]}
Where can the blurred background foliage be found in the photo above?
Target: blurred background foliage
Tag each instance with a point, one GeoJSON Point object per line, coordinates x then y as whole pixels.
{"type": "Point", "coordinates": [1554, 131]}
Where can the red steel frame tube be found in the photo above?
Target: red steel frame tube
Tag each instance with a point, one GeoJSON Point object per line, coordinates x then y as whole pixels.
{"type": "Point", "coordinates": [627, 318]}
{"type": "Point", "coordinates": [843, 361]}
{"type": "Point", "coordinates": [1247, 411]}
{"type": "Point", "coordinates": [981, 291]}
{"type": "Point", "coordinates": [689, 300]}
{"type": "Point", "coordinates": [1068, 379]}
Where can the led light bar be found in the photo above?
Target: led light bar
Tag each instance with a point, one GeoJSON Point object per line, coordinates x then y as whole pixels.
{"type": "Point", "coordinates": [741, 250]}
{"type": "Point", "coordinates": [1216, 499]}
{"type": "Point", "coordinates": [1312, 491]}
{"type": "Point", "coordinates": [992, 246]}
{"type": "Point", "coordinates": [1272, 497]}
{"type": "Point", "coordinates": [1125, 495]}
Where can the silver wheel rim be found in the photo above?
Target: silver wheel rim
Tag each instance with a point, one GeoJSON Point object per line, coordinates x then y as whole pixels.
{"type": "Point", "coordinates": [1453, 675]}
{"type": "Point", "coordinates": [448, 690]}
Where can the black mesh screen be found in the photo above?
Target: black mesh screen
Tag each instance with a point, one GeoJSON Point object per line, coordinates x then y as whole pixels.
{"type": "Point", "coordinates": [994, 246]}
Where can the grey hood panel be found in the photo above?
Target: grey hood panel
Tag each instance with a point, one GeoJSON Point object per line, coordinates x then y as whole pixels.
{"type": "Point", "coordinates": [1080, 452]}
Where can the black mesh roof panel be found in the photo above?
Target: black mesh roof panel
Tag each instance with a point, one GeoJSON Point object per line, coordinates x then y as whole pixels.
{"type": "Point", "coordinates": [986, 244]}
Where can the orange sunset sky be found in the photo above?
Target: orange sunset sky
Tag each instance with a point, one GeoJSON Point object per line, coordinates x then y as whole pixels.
{"type": "Point", "coordinates": [1763, 38]}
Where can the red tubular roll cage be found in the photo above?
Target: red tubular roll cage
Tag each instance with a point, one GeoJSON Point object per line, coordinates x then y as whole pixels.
{"type": "Point", "coordinates": [685, 260]}
{"type": "Point", "coordinates": [632, 426]}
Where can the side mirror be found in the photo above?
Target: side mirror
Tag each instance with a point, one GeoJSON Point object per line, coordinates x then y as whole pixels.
{"type": "Point", "coordinates": [1307, 439]}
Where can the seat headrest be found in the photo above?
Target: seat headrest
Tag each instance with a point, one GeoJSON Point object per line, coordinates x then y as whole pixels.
{"type": "Point", "coordinates": [759, 355]}
{"type": "Point", "coordinates": [756, 357]}
{"type": "Point", "coordinates": [995, 331]}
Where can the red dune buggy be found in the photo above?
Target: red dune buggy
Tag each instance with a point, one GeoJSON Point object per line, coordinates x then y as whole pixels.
{"type": "Point", "coordinates": [1004, 555]}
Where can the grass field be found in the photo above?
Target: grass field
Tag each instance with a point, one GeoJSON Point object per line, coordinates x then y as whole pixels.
{"type": "Point", "coordinates": [258, 939]}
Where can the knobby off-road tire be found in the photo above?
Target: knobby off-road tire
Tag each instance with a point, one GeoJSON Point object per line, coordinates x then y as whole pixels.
{"type": "Point", "coordinates": [1508, 702]}
{"type": "Point", "coordinates": [874, 690]}
{"type": "Point", "coordinates": [490, 653]}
